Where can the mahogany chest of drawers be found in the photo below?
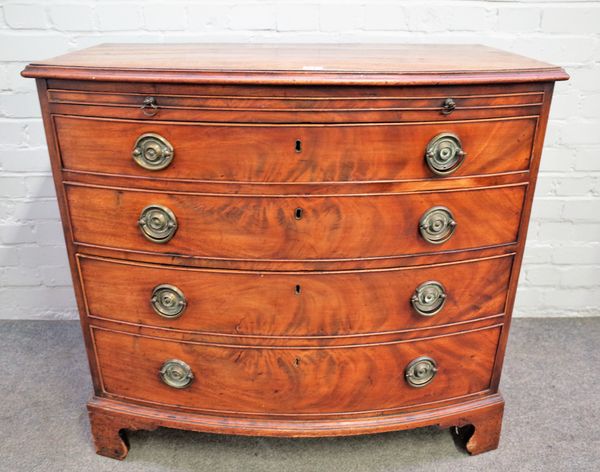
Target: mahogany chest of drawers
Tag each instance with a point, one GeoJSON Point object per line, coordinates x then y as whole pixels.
{"type": "Point", "coordinates": [295, 240]}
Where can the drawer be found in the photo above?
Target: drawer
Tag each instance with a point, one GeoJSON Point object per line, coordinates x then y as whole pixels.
{"type": "Point", "coordinates": [278, 153]}
{"type": "Point", "coordinates": [245, 227]}
{"type": "Point", "coordinates": [292, 381]}
{"type": "Point", "coordinates": [295, 304]}
{"type": "Point", "coordinates": [269, 104]}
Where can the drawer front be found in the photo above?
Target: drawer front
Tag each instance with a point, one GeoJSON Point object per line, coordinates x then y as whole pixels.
{"type": "Point", "coordinates": [293, 228]}
{"type": "Point", "coordinates": [295, 304]}
{"type": "Point", "coordinates": [258, 153]}
{"type": "Point", "coordinates": [269, 104]}
{"type": "Point", "coordinates": [294, 381]}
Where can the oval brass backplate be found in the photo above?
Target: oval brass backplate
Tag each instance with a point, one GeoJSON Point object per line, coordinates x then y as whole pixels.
{"type": "Point", "coordinates": [153, 152]}
{"type": "Point", "coordinates": [157, 223]}
{"type": "Point", "coordinates": [420, 371]}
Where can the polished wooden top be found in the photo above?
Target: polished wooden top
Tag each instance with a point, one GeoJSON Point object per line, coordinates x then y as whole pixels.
{"type": "Point", "coordinates": [368, 64]}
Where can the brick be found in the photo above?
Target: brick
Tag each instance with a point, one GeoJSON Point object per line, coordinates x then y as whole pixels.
{"type": "Point", "coordinates": [541, 275]}
{"type": "Point", "coordinates": [386, 18]}
{"type": "Point", "coordinates": [341, 17]}
{"type": "Point", "coordinates": [8, 256]}
{"type": "Point", "coordinates": [587, 158]}
{"type": "Point", "coordinates": [15, 82]}
{"type": "Point", "coordinates": [16, 233]}
{"type": "Point", "coordinates": [209, 17]}
{"type": "Point", "coordinates": [35, 302]}
{"type": "Point", "coordinates": [20, 277]}
{"type": "Point", "coordinates": [518, 19]}
{"type": "Point", "coordinates": [19, 105]}
{"type": "Point", "coordinates": [551, 231]}
{"type": "Point", "coordinates": [48, 233]}
{"type": "Point", "coordinates": [557, 49]}
{"type": "Point", "coordinates": [572, 299]}
{"type": "Point", "coordinates": [12, 133]}
{"type": "Point", "coordinates": [253, 17]}
{"type": "Point", "coordinates": [547, 209]}
{"type": "Point", "coordinates": [558, 159]}
{"type": "Point", "coordinates": [40, 186]}
{"type": "Point", "coordinates": [538, 255]}
{"type": "Point", "coordinates": [56, 276]}
{"type": "Point", "coordinates": [165, 17]}
{"type": "Point", "coordinates": [585, 78]}
{"type": "Point", "coordinates": [297, 17]}
{"type": "Point", "coordinates": [25, 16]}
{"type": "Point", "coordinates": [572, 186]}
{"type": "Point", "coordinates": [529, 298]}
{"type": "Point", "coordinates": [588, 254]}
{"type": "Point", "coordinates": [72, 17]}
{"type": "Point", "coordinates": [582, 210]}
{"type": "Point", "coordinates": [439, 18]}
{"type": "Point", "coordinates": [584, 19]}
{"type": "Point", "coordinates": [118, 17]}
{"type": "Point", "coordinates": [12, 187]}
{"type": "Point", "coordinates": [580, 277]}
{"type": "Point", "coordinates": [29, 47]}
{"type": "Point", "coordinates": [565, 104]}
{"type": "Point", "coordinates": [36, 135]}
{"type": "Point", "coordinates": [43, 256]}
{"type": "Point", "coordinates": [25, 160]}
{"type": "Point", "coordinates": [36, 210]}
{"type": "Point", "coordinates": [590, 106]}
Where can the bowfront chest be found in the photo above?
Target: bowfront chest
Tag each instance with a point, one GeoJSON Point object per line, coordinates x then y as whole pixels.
{"type": "Point", "coordinates": [295, 240]}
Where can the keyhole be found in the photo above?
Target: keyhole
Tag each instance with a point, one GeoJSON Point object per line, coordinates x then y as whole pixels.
{"type": "Point", "coordinates": [297, 290]}
{"type": "Point", "coordinates": [296, 362]}
{"type": "Point", "coordinates": [298, 213]}
{"type": "Point", "coordinates": [298, 146]}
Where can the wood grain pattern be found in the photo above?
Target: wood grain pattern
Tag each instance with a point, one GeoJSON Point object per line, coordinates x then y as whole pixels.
{"type": "Point", "coordinates": [268, 303]}
{"type": "Point", "coordinates": [268, 153]}
{"type": "Point", "coordinates": [292, 382]}
{"type": "Point", "coordinates": [296, 64]}
{"type": "Point", "coordinates": [266, 227]}
{"type": "Point", "coordinates": [329, 360]}
{"type": "Point", "coordinates": [111, 418]}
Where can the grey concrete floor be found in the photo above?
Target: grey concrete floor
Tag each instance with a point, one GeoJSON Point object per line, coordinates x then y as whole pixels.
{"type": "Point", "coordinates": [551, 384]}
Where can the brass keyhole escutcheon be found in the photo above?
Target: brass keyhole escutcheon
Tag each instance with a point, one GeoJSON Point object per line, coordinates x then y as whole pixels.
{"type": "Point", "coordinates": [298, 145]}
{"type": "Point", "coordinates": [168, 301]}
{"type": "Point", "coordinates": [444, 154]}
{"type": "Point", "coordinates": [152, 152]}
{"type": "Point", "coordinates": [420, 372]}
{"type": "Point", "coordinates": [298, 213]}
{"type": "Point", "coordinates": [429, 298]}
{"type": "Point", "coordinates": [176, 373]}
{"type": "Point", "coordinates": [437, 225]}
{"type": "Point", "coordinates": [157, 223]}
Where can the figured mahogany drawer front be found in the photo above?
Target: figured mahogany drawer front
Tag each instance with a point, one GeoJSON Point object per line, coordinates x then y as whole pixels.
{"type": "Point", "coordinates": [292, 381]}
{"type": "Point", "coordinates": [295, 304]}
{"type": "Point", "coordinates": [293, 228]}
{"type": "Point", "coordinates": [260, 153]}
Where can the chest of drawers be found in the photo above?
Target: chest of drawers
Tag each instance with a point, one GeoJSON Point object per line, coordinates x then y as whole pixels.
{"type": "Point", "coordinates": [295, 240]}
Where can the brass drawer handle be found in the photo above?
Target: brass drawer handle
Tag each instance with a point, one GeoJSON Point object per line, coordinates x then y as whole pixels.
{"type": "Point", "coordinates": [176, 373]}
{"type": "Point", "coordinates": [429, 298]}
{"type": "Point", "coordinates": [157, 223]}
{"type": "Point", "coordinates": [149, 106]}
{"type": "Point", "coordinates": [420, 371]}
{"type": "Point", "coordinates": [152, 152]}
{"type": "Point", "coordinates": [437, 225]}
{"type": "Point", "coordinates": [444, 154]}
{"type": "Point", "coordinates": [168, 301]}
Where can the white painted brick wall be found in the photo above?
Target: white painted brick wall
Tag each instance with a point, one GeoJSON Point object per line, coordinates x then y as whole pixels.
{"type": "Point", "coordinates": [561, 275]}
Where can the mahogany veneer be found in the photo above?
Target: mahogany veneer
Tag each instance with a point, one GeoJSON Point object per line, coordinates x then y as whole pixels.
{"type": "Point", "coordinates": [295, 240]}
